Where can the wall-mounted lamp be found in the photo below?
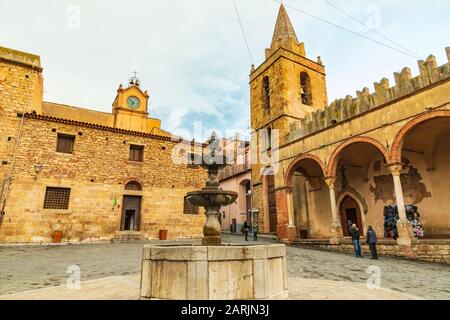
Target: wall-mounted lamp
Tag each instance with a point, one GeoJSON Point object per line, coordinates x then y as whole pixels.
{"type": "Point", "coordinates": [37, 169]}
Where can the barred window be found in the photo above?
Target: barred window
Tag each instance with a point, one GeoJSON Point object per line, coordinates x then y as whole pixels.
{"type": "Point", "coordinates": [65, 143]}
{"type": "Point", "coordinates": [57, 198]}
{"type": "Point", "coordinates": [136, 153]}
{"type": "Point", "coordinates": [189, 208]}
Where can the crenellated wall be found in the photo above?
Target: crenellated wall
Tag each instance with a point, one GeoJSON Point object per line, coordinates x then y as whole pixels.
{"type": "Point", "coordinates": [343, 109]}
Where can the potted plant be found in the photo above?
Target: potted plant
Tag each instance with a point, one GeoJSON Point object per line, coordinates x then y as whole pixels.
{"type": "Point", "coordinates": [163, 234]}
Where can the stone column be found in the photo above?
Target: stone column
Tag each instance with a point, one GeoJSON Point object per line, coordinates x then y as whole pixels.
{"type": "Point", "coordinates": [292, 229]}
{"type": "Point", "coordinates": [404, 228]}
{"type": "Point", "coordinates": [336, 228]}
{"type": "Point", "coordinates": [290, 207]}
{"type": "Point", "coordinates": [286, 230]}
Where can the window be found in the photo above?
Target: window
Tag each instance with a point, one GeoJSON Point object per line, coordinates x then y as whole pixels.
{"type": "Point", "coordinates": [65, 143]}
{"type": "Point", "coordinates": [266, 139]}
{"type": "Point", "coordinates": [57, 198]}
{"type": "Point", "coordinates": [305, 89]}
{"type": "Point", "coordinates": [266, 93]}
{"type": "Point", "coordinates": [133, 186]}
{"type": "Point", "coordinates": [189, 208]}
{"type": "Point", "coordinates": [136, 153]}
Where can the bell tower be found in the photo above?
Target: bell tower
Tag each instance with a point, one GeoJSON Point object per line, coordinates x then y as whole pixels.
{"type": "Point", "coordinates": [287, 85]}
{"type": "Point", "coordinates": [130, 107]}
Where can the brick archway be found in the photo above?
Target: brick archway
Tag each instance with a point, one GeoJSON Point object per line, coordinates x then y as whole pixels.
{"type": "Point", "coordinates": [332, 165]}
{"type": "Point", "coordinates": [395, 155]}
{"type": "Point", "coordinates": [295, 163]}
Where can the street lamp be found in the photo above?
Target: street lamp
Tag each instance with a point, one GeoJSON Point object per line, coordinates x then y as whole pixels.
{"type": "Point", "coordinates": [37, 169]}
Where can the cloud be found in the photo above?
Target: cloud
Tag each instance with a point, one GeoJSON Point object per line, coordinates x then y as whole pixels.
{"type": "Point", "coordinates": [191, 56]}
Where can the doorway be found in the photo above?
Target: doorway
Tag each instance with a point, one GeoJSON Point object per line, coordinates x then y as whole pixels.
{"type": "Point", "coordinates": [131, 213]}
{"type": "Point", "coordinates": [350, 214]}
{"type": "Point", "coordinates": [272, 202]}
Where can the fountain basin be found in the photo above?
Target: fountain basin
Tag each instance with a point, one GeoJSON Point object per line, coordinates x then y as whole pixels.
{"type": "Point", "coordinates": [229, 272]}
{"type": "Point", "coordinates": [212, 197]}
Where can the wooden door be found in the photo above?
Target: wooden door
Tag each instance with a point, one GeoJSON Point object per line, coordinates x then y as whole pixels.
{"type": "Point", "coordinates": [131, 213]}
{"type": "Point", "coordinates": [272, 204]}
{"type": "Point", "coordinates": [350, 214]}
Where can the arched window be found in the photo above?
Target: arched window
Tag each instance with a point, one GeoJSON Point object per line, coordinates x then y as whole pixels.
{"type": "Point", "coordinates": [133, 186]}
{"type": "Point", "coordinates": [266, 139]}
{"type": "Point", "coordinates": [305, 89]}
{"type": "Point", "coordinates": [266, 93]}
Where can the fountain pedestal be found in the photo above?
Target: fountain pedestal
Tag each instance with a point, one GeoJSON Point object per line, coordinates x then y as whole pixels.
{"type": "Point", "coordinates": [230, 272]}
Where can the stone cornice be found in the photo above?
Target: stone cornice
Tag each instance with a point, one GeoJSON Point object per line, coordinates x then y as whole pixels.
{"type": "Point", "coordinates": [285, 53]}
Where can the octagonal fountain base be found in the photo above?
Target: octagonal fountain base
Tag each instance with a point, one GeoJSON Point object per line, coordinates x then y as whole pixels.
{"type": "Point", "coordinates": [229, 272]}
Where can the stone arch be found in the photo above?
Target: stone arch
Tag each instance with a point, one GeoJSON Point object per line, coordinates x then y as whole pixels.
{"type": "Point", "coordinates": [395, 155]}
{"type": "Point", "coordinates": [332, 165]}
{"type": "Point", "coordinates": [133, 186]}
{"type": "Point", "coordinates": [297, 161]}
{"type": "Point", "coordinates": [358, 200]}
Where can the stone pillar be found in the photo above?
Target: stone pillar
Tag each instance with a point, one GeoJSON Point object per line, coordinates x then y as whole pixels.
{"type": "Point", "coordinates": [292, 228]}
{"type": "Point", "coordinates": [404, 228]}
{"type": "Point", "coordinates": [336, 228]}
{"type": "Point", "coordinates": [286, 230]}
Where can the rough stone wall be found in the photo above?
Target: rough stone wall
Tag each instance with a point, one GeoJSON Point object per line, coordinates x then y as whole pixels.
{"type": "Point", "coordinates": [20, 91]}
{"type": "Point", "coordinates": [96, 172]}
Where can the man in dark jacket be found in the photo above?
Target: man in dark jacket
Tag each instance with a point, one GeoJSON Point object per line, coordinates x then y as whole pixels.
{"type": "Point", "coordinates": [246, 230]}
{"type": "Point", "coordinates": [354, 232]}
{"type": "Point", "coordinates": [372, 242]}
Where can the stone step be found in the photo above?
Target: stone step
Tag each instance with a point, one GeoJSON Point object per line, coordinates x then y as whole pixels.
{"type": "Point", "coordinates": [129, 236]}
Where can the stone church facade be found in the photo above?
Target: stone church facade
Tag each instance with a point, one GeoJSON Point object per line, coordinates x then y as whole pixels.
{"type": "Point", "coordinates": [72, 174]}
{"type": "Point", "coordinates": [346, 161]}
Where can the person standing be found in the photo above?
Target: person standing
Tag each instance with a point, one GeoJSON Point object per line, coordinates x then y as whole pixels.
{"type": "Point", "coordinates": [255, 231]}
{"type": "Point", "coordinates": [354, 232]}
{"type": "Point", "coordinates": [372, 242]}
{"type": "Point", "coordinates": [246, 230]}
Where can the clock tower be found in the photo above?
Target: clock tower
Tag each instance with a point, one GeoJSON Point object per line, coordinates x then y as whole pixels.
{"type": "Point", "coordinates": [130, 107]}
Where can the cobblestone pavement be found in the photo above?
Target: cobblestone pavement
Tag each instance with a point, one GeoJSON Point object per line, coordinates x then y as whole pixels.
{"type": "Point", "coordinates": [28, 268]}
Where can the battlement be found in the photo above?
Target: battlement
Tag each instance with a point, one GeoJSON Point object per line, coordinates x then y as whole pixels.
{"type": "Point", "coordinates": [343, 109]}
{"type": "Point", "coordinates": [21, 58]}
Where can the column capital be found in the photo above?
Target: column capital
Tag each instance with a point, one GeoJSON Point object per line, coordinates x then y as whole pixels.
{"type": "Point", "coordinates": [330, 181]}
{"type": "Point", "coordinates": [395, 168]}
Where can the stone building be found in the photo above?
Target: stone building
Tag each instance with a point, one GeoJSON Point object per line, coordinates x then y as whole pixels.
{"type": "Point", "coordinates": [344, 162]}
{"type": "Point", "coordinates": [236, 176]}
{"type": "Point", "coordinates": [73, 174]}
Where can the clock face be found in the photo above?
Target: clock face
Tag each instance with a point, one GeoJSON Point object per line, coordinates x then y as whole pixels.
{"type": "Point", "coordinates": [133, 102]}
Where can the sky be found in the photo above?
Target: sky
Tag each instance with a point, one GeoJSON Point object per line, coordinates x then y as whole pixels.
{"type": "Point", "coordinates": [191, 55]}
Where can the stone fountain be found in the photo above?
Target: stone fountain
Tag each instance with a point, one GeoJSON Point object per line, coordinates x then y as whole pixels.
{"type": "Point", "coordinates": [213, 271]}
{"type": "Point", "coordinates": [212, 197]}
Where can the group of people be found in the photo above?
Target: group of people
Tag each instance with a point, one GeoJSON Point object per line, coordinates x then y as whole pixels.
{"type": "Point", "coordinates": [371, 240]}
{"type": "Point", "coordinates": [391, 216]}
